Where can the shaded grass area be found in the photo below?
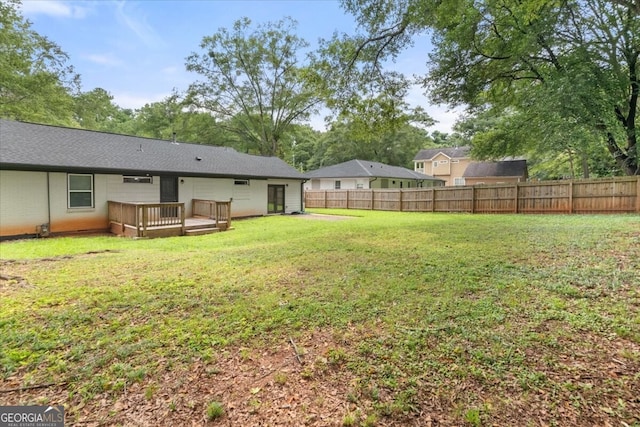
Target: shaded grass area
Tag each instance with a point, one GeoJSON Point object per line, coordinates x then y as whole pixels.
{"type": "Point", "coordinates": [480, 319]}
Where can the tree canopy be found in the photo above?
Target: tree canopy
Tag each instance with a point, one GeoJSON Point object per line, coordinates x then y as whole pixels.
{"type": "Point", "coordinates": [36, 81]}
{"type": "Point", "coordinates": [564, 62]}
{"type": "Point", "coordinates": [254, 81]}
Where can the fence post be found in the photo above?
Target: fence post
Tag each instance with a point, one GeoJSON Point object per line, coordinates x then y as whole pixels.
{"type": "Point", "coordinates": [517, 191]}
{"type": "Point", "coordinates": [325, 199]}
{"type": "Point", "coordinates": [400, 200]}
{"type": "Point", "coordinates": [433, 199]}
{"type": "Point", "coordinates": [571, 197]}
{"type": "Point", "coordinates": [372, 199]}
{"type": "Point", "coordinates": [473, 199]}
{"type": "Point", "coordinates": [347, 199]}
{"type": "Point", "coordinates": [638, 194]}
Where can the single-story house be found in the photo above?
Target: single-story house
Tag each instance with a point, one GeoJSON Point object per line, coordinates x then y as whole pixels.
{"type": "Point", "coordinates": [62, 180]}
{"type": "Point", "coordinates": [363, 174]}
{"type": "Point", "coordinates": [502, 172]}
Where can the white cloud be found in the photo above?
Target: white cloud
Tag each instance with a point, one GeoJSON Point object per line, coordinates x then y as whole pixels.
{"type": "Point", "coordinates": [171, 70]}
{"type": "Point", "coordinates": [55, 8]}
{"type": "Point", "coordinates": [104, 59]}
{"type": "Point", "coordinates": [445, 118]}
{"type": "Point", "coordinates": [134, 101]}
{"type": "Point", "coordinates": [136, 22]}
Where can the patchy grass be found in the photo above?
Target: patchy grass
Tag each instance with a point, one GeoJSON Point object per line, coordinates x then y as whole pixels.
{"type": "Point", "coordinates": [401, 318]}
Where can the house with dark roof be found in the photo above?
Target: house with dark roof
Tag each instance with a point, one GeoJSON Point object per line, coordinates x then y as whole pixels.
{"type": "Point", "coordinates": [446, 163]}
{"type": "Point", "coordinates": [506, 171]}
{"type": "Point", "coordinates": [61, 180]}
{"type": "Point", "coordinates": [455, 166]}
{"type": "Point", "coordinates": [363, 174]}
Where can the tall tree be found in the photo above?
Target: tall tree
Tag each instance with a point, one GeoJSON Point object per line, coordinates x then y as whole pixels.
{"type": "Point", "coordinates": [345, 141]}
{"type": "Point", "coordinates": [255, 82]}
{"type": "Point", "coordinates": [95, 110]}
{"type": "Point", "coordinates": [36, 81]}
{"type": "Point", "coordinates": [578, 60]}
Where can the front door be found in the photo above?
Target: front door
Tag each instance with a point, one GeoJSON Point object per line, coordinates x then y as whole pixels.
{"type": "Point", "coordinates": [275, 199]}
{"type": "Point", "coordinates": [168, 194]}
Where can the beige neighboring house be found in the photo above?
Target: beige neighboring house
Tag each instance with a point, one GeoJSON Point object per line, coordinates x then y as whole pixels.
{"type": "Point", "coordinates": [454, 166]}
{"type": "Point", "coordinates": [445, 163]}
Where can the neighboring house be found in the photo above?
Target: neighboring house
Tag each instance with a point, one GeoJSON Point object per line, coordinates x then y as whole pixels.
{"type": "Point", "coordinates": [64, 178]}
{"type": "Point", "coordinates": [446, 163]}
{"type": "Point", "coordinates": [506, 171]}
{"type": "Point", "coordinates": [363, 174]}
{"type": "Point", "coordinates": [455, 167]}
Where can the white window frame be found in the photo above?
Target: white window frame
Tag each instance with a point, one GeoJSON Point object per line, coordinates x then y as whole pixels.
{"type": "Point", "coordinates": [91, 191]}
{"type": "Point", "coordinates": [137, 179]}
{"type": "Point", "coordinates": [434, 164]}
{"type": "Point", "coordinates": [459, 181]}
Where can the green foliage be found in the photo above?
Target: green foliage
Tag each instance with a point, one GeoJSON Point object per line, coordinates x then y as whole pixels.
{"type": "Point", "coordinates": [344, 142]}
{"type": "Point", "coordinates": [215, 410]}
{"type": "Point", "coordinates": [566, 65]}
{"type": "Point", "coordinates": [35, 81]}
{"type": "Point", "coordinates": [253, 82]}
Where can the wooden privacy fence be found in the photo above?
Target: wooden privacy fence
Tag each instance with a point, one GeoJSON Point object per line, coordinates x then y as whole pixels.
{"type": "Point", "coordinates": [615, 195]}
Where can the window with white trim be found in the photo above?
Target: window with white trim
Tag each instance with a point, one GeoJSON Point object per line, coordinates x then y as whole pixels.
{"type": "Point", "coordinates": [458, 181]}
{"type": "Point", "coordinates": [80, 190]}
{"type": "Point", "coordinates": [434, 164]}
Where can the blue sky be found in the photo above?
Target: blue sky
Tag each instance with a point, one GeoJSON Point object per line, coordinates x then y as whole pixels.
{"type": "Point", "coordinates": [136, 50]}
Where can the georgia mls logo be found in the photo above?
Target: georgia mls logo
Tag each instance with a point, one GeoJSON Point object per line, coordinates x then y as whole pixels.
{"type": "Point", "coordinates": [31, 416]}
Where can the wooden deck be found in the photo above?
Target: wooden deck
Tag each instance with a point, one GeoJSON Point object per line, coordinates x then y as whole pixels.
{"type": "Point", "coordinates": [168, 219]}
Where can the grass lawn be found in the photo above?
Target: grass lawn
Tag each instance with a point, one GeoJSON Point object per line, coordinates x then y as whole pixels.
{"type": "Point", "coordinates": [374, 320]}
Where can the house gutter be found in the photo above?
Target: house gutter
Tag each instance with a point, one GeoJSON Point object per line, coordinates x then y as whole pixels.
{"type": "Point", "coordinates": [371, 180]}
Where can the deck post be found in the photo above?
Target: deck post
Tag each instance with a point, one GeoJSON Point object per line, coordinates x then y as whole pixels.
{"type": "Point", "coordinates": [182, 220]}
{"type": "Point", "coordinates": [145, 219]}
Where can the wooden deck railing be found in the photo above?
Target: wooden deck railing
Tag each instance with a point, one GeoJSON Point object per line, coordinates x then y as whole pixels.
{"type": "Point", "coordinates": [142, 216]}
{"type": "Point", "coordinates": [220, 211]}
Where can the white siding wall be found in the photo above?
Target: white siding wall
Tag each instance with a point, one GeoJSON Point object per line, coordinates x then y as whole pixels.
{"type": "Point", "coordinates": [23, 201]}
{"type": "Point", "coordinates": [292, 194]}
{"type": "Point", "coordinates": [329, 183]}
{"type": "Point", "coordinates": [119, 191]}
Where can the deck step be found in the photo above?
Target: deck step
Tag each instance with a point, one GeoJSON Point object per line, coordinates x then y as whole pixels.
{"type": "Point", "coordinates": [201, 231]}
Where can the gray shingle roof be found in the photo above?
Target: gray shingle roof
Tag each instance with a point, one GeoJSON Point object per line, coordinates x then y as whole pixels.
{"type": "Point", "coordinates": [366, 169]}
{"type": "Point", "coordinates": [28, 146]}
{"type": "Point", "coordinates": [451, 152]}
{"type": "Point", "coordinates": [504, 168]}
